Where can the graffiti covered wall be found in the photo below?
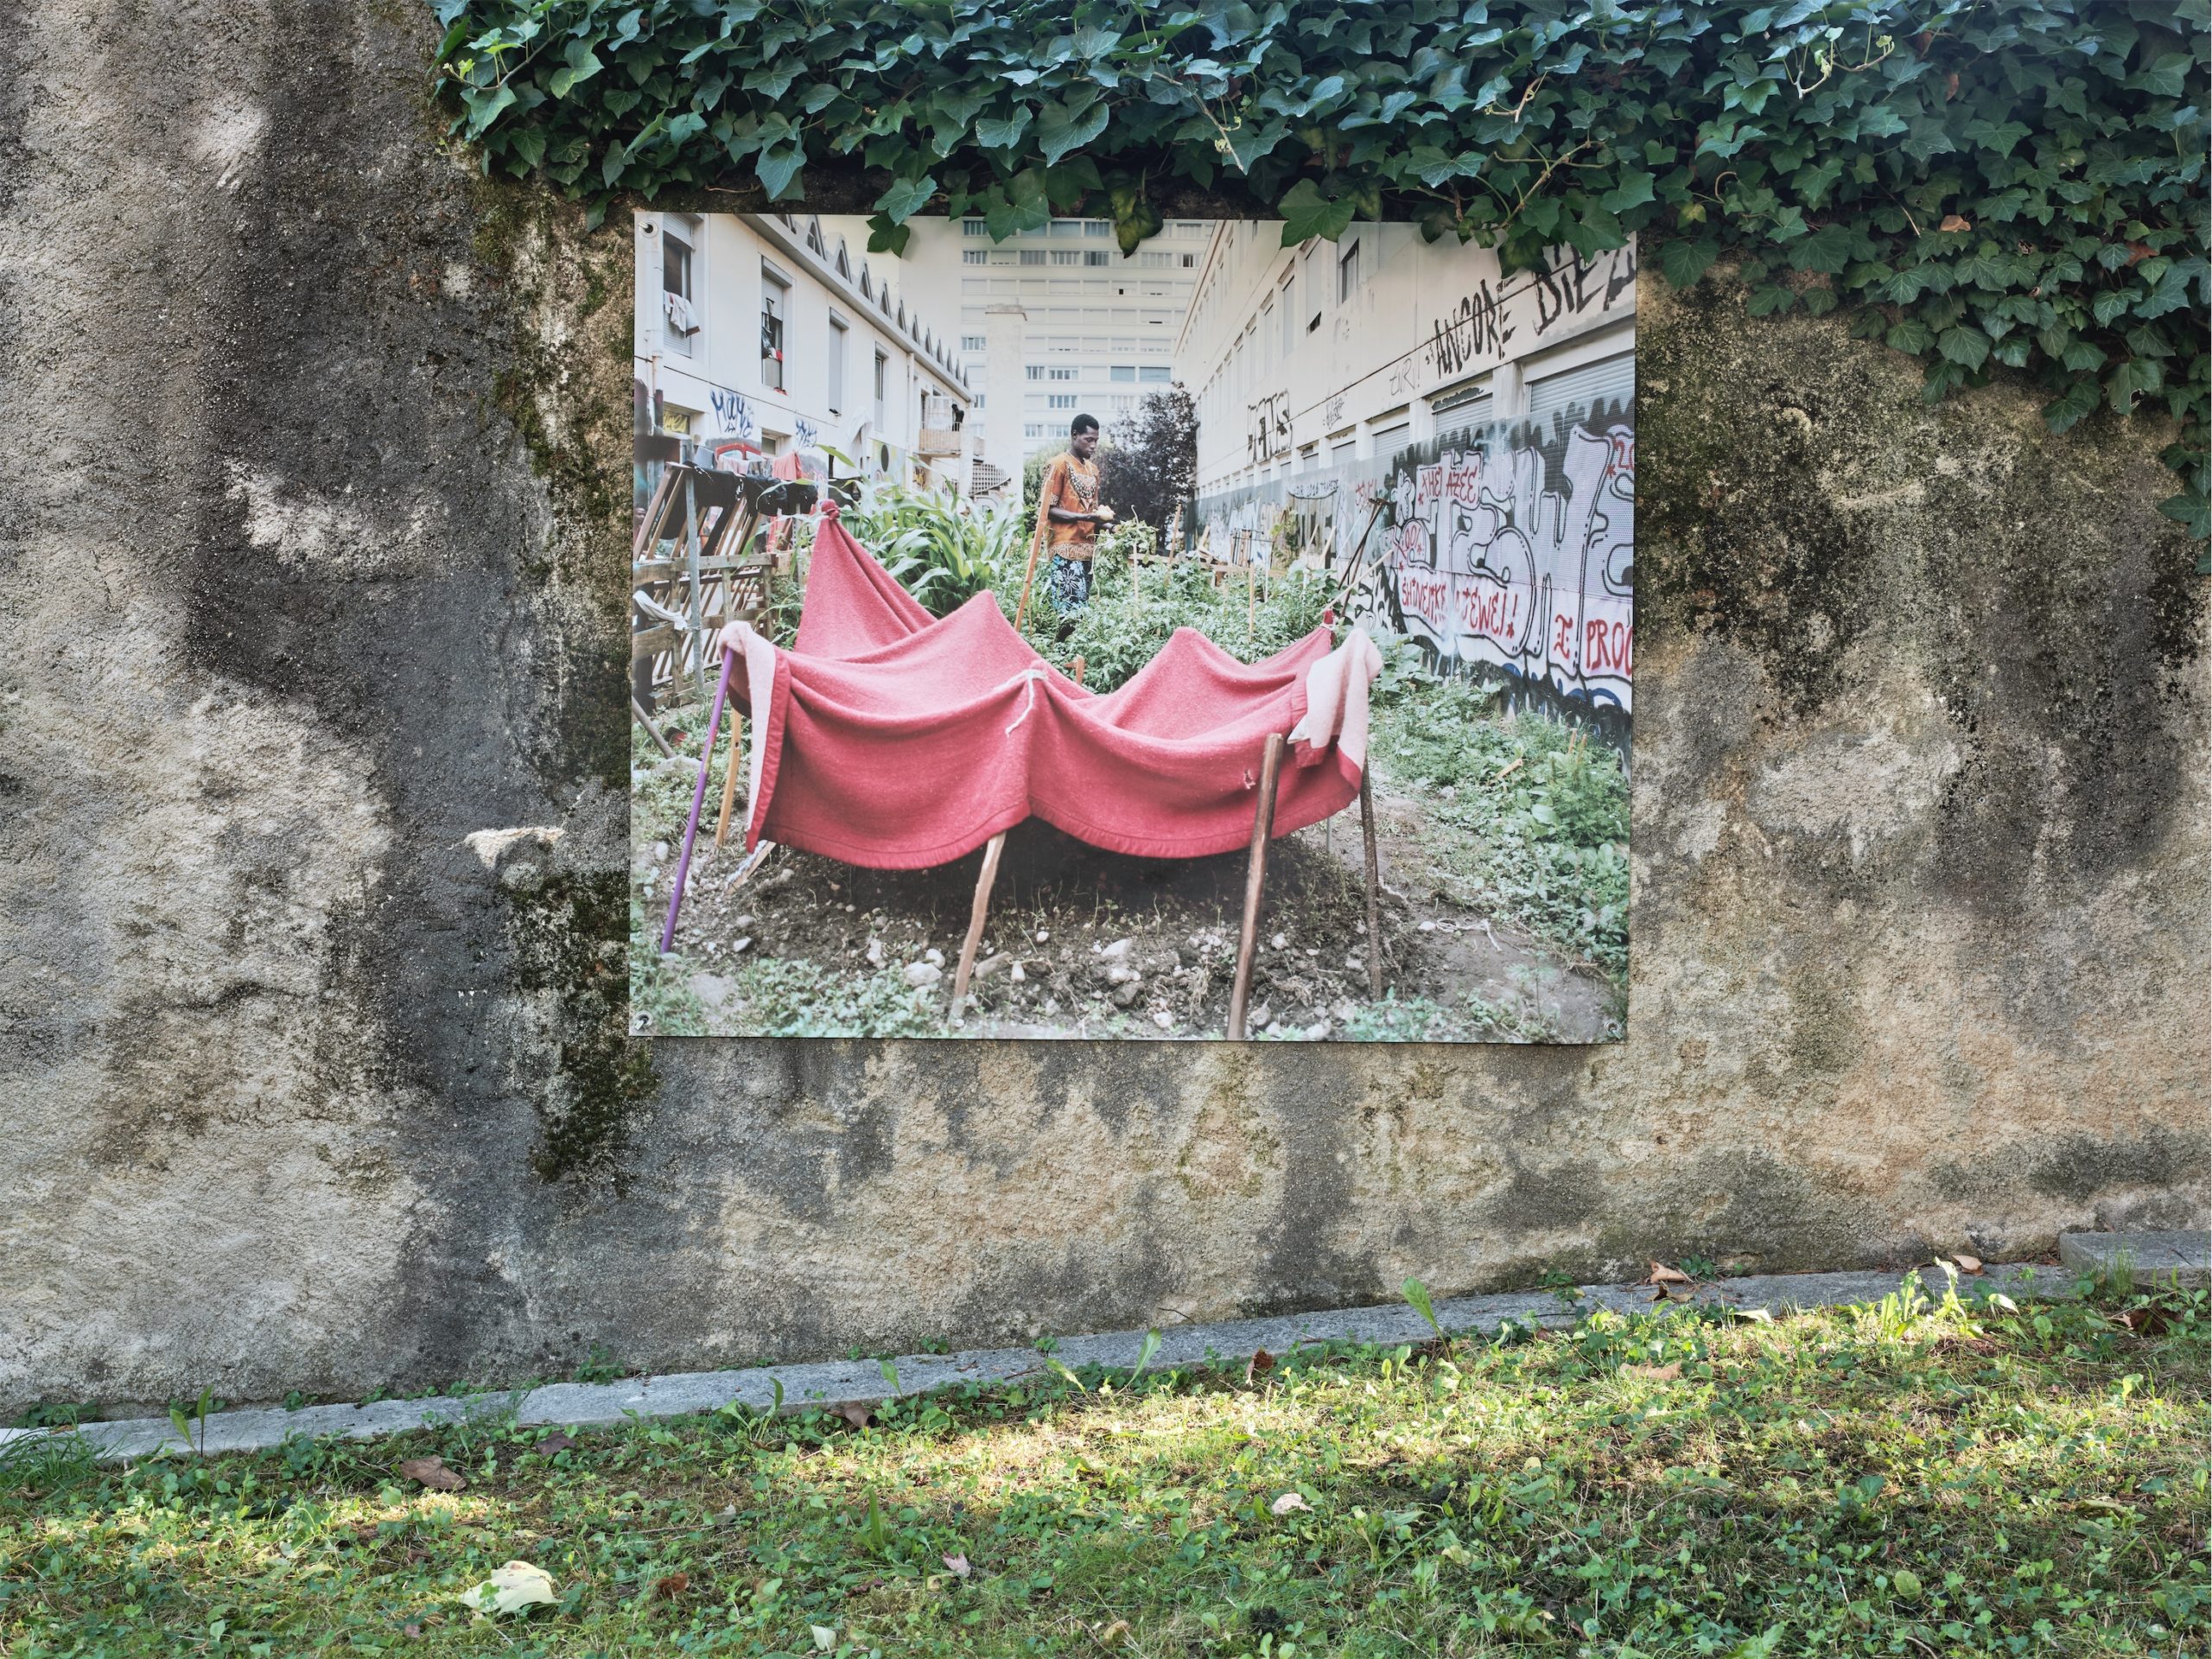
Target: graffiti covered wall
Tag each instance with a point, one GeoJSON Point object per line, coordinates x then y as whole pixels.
{"type": "Point", "coordinates": [1510, 553]}
{"type": "Point", "coordinates": [1505, 552]}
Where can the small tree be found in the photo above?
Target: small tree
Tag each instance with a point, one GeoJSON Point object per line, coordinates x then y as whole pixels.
{"type": "Point", "coordinates": [1151, 458]}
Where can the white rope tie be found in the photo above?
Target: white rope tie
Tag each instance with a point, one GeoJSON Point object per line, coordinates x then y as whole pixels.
{"type": "Point", "coordinates": [1032, 675]}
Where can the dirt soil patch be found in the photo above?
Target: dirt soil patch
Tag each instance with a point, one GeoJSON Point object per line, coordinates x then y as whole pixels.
{"type": "Point", "coordinates": [1082, 944]}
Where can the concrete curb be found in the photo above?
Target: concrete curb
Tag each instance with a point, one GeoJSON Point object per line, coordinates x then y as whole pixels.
{"type": "Point", "coordinates": [845, 1383]}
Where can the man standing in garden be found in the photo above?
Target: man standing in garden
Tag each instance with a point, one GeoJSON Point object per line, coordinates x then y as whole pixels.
{"type": "Point", "coordinates": [1068, 517]}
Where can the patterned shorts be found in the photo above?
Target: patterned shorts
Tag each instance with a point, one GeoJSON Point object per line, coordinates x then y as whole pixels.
{"type": "Point", "coordinates": [1069, 583]}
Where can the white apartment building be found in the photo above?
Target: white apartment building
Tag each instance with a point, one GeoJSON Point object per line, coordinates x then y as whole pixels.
{"type": "Point", "coordinates": [1055, 322]}
{"type": "Point", "coordinates": [1308, 357]}
{"type": "Point", "coordinates": [761, 336]}
{"type": "Point", "coordinates": [1464, 438]}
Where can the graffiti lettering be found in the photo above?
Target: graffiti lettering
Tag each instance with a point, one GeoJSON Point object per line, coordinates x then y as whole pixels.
{"type": "Point", "coordinates": [1580, 285]}
{"type": "Point", "coordinates": [1267, 428]}
{"type": "Point", "coordinates": [1478, 329]}
{"type": "Point", "coordinates": [733, 416]}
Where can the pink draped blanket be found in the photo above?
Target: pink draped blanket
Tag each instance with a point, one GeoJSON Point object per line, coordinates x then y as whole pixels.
{"type": "Point", "coordinates": [893, 740]}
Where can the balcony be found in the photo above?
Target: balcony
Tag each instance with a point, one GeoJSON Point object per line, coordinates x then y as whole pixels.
{"type": "Point", "coordinates": [934, 441]}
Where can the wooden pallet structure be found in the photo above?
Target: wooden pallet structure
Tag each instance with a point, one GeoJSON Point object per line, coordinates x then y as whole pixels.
{"type": "Point", "coordinates": [695, 566]}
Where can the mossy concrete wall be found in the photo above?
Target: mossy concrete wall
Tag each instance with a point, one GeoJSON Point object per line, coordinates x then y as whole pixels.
{"type": "Point", "coordinates": [311, 753]}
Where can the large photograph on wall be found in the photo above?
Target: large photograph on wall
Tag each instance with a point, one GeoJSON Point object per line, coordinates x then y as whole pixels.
{"type": "Point", "coordinates": [1224, 639]}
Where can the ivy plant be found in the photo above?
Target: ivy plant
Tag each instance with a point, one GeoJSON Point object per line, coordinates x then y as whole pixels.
{"type": "Point", "coordinates": [1986, 185]}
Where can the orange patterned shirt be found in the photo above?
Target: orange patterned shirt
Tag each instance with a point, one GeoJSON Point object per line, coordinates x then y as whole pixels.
{"type": "Point", "coordinates": [1071, 484]}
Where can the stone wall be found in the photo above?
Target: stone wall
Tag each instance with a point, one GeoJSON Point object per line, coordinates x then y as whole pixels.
{"type": "Point", "coordinates": [312, 746]}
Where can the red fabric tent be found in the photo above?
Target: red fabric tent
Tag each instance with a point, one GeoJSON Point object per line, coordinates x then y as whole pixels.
{"type": "Point", "coordinates": [892, 739]}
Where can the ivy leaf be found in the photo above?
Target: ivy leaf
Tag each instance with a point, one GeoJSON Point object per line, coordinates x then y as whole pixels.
{"type": "Point", "coordinates": [906, 197]}
{"type": "Point", "coordinates": [2130, 380]}
{"type": "Point", "coordinates": [1633, 191]}
{"type": "Point", "coordinates": [2165, 76]}
{"type": "Point", "coordinates": [1306, 213]}
{"type": "Point", "coordinates": [1912, 336]}
{"type": "Point", "coordinates": [485, 105]}
{"type": "Point", "coordinates": [583, 63]}
{"type": "Point", "coordinates": [2192, 508]}
{"type": "Point", "coordinates": [778, 168]}
{"type": "Point", "coordinates": [1436, 168]}
{"type": "Point", "coordinates": [1967, 348]}
{"type": "Point", "coordinates": [1827, 251]}
{"type": "Point", "coordinates": [2066, 411]}
{"type": "Point", "coordinates": [1092, 41]}
{"type": "Point", "coordinates": [1683, 262]}
{"type": "Point", "coordinates": [884, 237]}
{"type": "Point", "coordinates": [1062, 128]}
{"type": "Point", "coordinates": [1003, 132]}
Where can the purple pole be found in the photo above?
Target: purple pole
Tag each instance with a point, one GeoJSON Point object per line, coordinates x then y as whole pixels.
{"type": "Point", "coordinates": [698, 797]}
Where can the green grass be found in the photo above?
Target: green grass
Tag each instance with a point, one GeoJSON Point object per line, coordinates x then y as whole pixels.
{"type": "Point", "coordinates": [1527, 818]}
{"type": "Point", "coordinates": [1898, 1480]}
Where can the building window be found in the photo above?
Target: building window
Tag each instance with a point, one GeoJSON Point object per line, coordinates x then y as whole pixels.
{"type": "Point", "coordinates": [1067, 255]}
{"type": "Point", "coordinates": [972, 343]}
{"type": "Point", "coordinates": [1125, 371]}
{"type": "Point", "coordinates": [838, 337]}
{"type": "Point", "coordinates": [1065, 227]}
{"type": "Point", "coordinates": [1095, 257]}
{"type": "Point", "coordinates": [1289, 298]}
{"type": "Point", "coordinates": [680, 318]}
{"type": "Point", "coordinates": [1063, 374]}
{"type": "Point", "coordinates": [775, 312]}
{"type": "Point", "coordinates": [975, 255]}
{"type": "Point", "coordinates": [1098, 227]}
{"type": "Point", "coordinates": [1311, 287]}
{"type": "Point", "coordinates": [882, 383]}
{"type": "Point", "coordinates": [1032, 256]}
{"type": "Point", "coordinates": [974, 227]}
{"type": "Point", "coordinates": [1060, 400]}
{"type": "Point", "coordinates": [1347, 272]}
{"type": "Point", "coordinates": [1034, 371]}
{"type": "Point", "coordinates": [1154, 371]}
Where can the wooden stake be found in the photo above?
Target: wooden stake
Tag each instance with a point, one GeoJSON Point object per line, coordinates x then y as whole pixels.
{"type": "Point", "coordinates": [638, 713]}
{"type": "Point", "coordinates": [1075, 670]}
{"type": "Point", "coordinates": [1374, 884]}
{"type": "Point", "coordinates": [1256, 873]}
{"type": "Point", "coordinates": [735, 762]}
{"type": "Point", "coordinates": [992, 849]}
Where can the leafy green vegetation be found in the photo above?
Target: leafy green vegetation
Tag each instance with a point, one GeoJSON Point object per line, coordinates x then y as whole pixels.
{"type": "Point", "coordinates": [1904, 1477]}
{"type": "Point", "coordinates": [1984, 184]}
{"type": "Point", "coordinates": [1529, 817]}
{"type": "Point", "coordinates": [1135, 606]}
{"type": "Point", "coordinates": [941, 548]}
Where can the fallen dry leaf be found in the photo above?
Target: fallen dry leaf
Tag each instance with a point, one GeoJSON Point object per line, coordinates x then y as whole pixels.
{"type": "Point", "coordinates": [1666, 1373]}
{"type": "Point", "coordinates": [958, 1563]}
{"type": "Point", "coordinates": [2146, 1321]}
{"type": "Point", "coordinates": [432, 1472]}
{"type": "Point", "coordinates": [556, 1442]}
{"type": "Point", "coordinates": [1288, 1502]}
{"type": "Point", "coordinates": [1115, 1634]}
{"type": "Point", "coordinates": [1664, 1275]}
{"type": "Point", "coordinates": [856, 1414]}
{"type": "Point", "coordinates": [669, 1588]}
{"type": "Point", "coordinates": [1953, 222]}
{"type": "Point", "coordinates": [1968, 1263]}
{"type": "Point", "coordinates": [1260, 1362]}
